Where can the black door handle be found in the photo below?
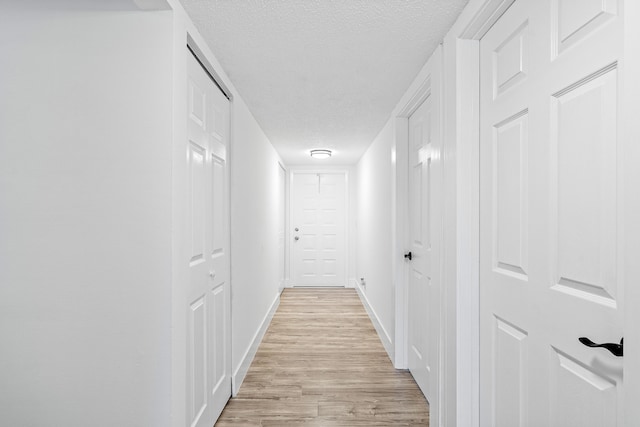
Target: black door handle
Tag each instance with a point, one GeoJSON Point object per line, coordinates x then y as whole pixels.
{"type": "Point", "coordinates": [615, 349]}
{"type": "Point", "coordinates": [408, 255]}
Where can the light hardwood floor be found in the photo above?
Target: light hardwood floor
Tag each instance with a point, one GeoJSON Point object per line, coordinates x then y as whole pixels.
{"type": "Point", "coordinates": [321, 363]}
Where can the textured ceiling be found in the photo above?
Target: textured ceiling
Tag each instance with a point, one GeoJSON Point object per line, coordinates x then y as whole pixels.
{"type": "Point", "coordinates": [322, 73]}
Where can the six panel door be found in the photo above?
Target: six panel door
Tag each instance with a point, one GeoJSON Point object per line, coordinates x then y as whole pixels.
{"type": "Point", "coordinates": [318, 235]}
{"type": "Point", "coordinates": [550, 215]}
{"type": "Point", "coordinates": [208, 296]}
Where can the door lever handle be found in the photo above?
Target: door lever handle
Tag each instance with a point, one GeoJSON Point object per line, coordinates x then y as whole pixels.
{"type": "Point", "coordinates": [408, 255]}
{"type": "Point", "coordinates": [615, 349]}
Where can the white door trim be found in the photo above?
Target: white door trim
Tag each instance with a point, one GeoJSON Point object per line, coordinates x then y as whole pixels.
{"type": "Point", "coordinates": [629, 137]}
{"type": "Point", "coordinates": [347, 229]}
{"type": "Point", "coordinates": [464, 64]}
{"type": "Point", "coordinates": [484, 18]}
{"type": "Point", "coordinates": [202, 59]}
{"type": "Point", "coordinates": [284, 189]}
{"type": "Point", "coordinates": [467, 290]}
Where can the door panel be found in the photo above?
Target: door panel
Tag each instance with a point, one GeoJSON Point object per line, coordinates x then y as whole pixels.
{"type": "Point", "coordinates": [319, 215]}
{"type": "Point", "coordinates": [208, 335]}
{"type": "Point", "coordinates": [197, 194]}
{"type": "Point", "coordinates": [549, 215]}
{"type": "Point", "coordinates": [511, 190]}
{"type": "Point", "coordinates": [218, 205]}
{"type": "Point", "coordinates": [198, 357]}
{"type": "Point", "coordinates": [218, 326]}
{"type": "Point", "coordinates": [573, 21]}
{"type": "Point", "coordinates": [583, 132]}
{"type": "Point", "coordinates": [573, 383]}
{"type": "Point", "coordinates": [510, 347]}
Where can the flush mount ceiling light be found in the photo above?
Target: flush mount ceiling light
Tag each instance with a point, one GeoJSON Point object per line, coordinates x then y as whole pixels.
{"type": "Point", "coordinates": [321, 154]}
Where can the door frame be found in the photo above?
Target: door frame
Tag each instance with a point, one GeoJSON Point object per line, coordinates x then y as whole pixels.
{"type": "Point", "coordinates": [630, 134]}
{"type": "Point", "coordinates": [289, 221]}
{"type": "Point", "coordinates": [285, 213]}
{"type": "Point", "coordinates": [462, 130]}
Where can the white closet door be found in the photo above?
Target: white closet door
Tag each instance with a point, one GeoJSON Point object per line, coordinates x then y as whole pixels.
{"type": "Point", "coordinates": [208, 297]}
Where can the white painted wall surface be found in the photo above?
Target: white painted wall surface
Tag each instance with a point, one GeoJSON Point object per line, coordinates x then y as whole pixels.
{"type": "Point", "coordinates": [374, 239]}
{"type": "Point", "coordinates": [254, 229]}
{"type": "Point", "coordinates": [85, 214]}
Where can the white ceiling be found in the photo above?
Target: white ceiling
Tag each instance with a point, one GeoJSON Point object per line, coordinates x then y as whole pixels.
{"type": "Point", "coordinates": [322, 73]}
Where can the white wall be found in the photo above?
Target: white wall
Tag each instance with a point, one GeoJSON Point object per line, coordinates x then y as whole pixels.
{"type": "Point", "coordinates": [374, 240]}
{"type": "Point", "coordinates": [85, 185]}
{"type": "Point", "coordinates": [255, 193]}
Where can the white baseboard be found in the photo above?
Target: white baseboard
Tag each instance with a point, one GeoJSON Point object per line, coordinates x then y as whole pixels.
{"type": "Point", "coordinates": [351, 283]}
{"type": "Point", "coordinates": [243, 368]}
{"type": "Point", "coordinates": [382, 333]}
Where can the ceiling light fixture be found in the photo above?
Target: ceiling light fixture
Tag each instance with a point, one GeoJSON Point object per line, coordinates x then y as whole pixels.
{"type": "Point", "coordinates": [321, 154]}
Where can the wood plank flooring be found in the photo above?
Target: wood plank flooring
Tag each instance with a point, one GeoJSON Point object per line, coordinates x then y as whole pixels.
{"type": "Point", "coordinates": [321, 363]}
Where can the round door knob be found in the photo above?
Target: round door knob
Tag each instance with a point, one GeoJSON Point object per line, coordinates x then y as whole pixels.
{"type": "Point", "coordinates": [212, 274]}
{"type": "Point", "coordinates": [296, 238]}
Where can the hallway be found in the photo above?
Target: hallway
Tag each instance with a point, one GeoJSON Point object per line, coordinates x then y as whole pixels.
{"type": "Point", "coordinates": [321, 363]}
{"type": "Point", "coordinates": [350, 213]}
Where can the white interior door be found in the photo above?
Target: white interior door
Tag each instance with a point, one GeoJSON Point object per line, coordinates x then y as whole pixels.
{"type": "Point", "coordinates": [318, 237]}
{"type": "Point", "coordinates": [208, 296]}
{"type": "Point", "coordinates": [425, 236]}
{"type": "Point", "coordinates": [551, 217]}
